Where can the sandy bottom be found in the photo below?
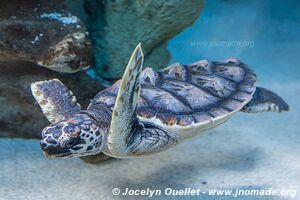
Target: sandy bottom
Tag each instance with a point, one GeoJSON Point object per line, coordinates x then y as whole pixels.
{"type": "Point", "coordinates": [250, 151]}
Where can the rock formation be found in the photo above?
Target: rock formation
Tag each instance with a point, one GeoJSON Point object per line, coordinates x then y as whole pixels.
{"type": "Point", "coordinates": [42, 40]}
{"type": "Point", "coordinates": [44, 33]}
{"type": "Point", "coordinates": [117, 26]}
{"type": "Point", "coordinates": [20, 115]}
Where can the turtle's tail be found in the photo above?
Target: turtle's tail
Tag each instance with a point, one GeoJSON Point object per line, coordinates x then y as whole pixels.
{"type": "Point", "coordinates": [265, 101]}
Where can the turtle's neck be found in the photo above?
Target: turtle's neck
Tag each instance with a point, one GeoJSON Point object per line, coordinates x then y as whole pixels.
{"type": "Point", "coordinates": [100, 113]}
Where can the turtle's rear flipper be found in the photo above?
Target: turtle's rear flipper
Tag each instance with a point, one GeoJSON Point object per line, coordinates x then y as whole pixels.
{"type": "Point", "coordinates": [265, 101]}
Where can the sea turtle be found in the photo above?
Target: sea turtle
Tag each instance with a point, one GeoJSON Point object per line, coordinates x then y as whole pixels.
{"type": "Point", "coordinates": [149, 111]}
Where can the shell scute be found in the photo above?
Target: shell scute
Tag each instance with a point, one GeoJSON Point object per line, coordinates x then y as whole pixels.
{"type": "Point", "coordinates": [192, 96]}
{"type": "Point", "coordinates": [149, 77]}
{"type": "Point", "coordinates": [231, 104]}
{"type": "Point", "coordinates": [184, 120]}
{"type": "Point", "coordinates": [202, 116]}
{"type": "Point", "coordinates": [230, 72]}
{"type": "Point", "coordinates": [142, 103]}
{"type": "Point", "coordinates": [202, 94]}
{"type": "Point", "coordinates": [162, 101]}
{"type": "Point", "coordinates": [246, 87]}
{"type": "Point", "coordinates": [241, 96]}
{"type": "Point", "coordinates": [174, 71]}
{"type": "Point", "coordinates": [146, 113]}
{"type": "Point", "coordinates": [167, 119]}
{"type": "Point", "coordinates": [202, 66]}
{"type": "Point", "coordinates": [216, 85]}
{"type": "Point", "coordinates": [217, 112]}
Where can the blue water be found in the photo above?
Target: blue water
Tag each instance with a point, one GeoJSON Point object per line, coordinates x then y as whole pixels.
{"type": "Point", "coordinates": [268, 31]}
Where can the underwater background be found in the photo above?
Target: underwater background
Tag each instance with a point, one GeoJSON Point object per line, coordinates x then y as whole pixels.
{"type": "Point", "coordinates": [250, 151]}
{"type": "Point", "coordinates": [267, 30]}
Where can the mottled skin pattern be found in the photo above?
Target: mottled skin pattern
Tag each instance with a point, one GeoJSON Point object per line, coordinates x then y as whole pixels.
{"type": "Point", "coordinates": [77, 136]}
{"type": "Point", "coordinates": [149, 111]}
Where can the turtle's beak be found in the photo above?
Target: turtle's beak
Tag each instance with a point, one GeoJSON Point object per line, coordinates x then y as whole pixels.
{"type": "Point", "coordinates": [54, 151]}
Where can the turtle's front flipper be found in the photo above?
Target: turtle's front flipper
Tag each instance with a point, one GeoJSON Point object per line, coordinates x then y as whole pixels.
{"type": "Point", "coordinates": [124, 114]}
{"type": "Point", "coordinates": [127, 135]}
{"type": "Point", "coordinates": [55, 99]}
{"type": "Point", "coordinates": [265, 100]}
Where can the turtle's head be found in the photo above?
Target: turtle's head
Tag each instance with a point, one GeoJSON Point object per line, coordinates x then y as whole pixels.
{"type": "Point", "coordinates": [80, 135]}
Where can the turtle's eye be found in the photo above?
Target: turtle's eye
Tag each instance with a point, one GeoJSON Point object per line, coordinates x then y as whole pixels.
{"type": "Point", "coordinates": [73, 130]}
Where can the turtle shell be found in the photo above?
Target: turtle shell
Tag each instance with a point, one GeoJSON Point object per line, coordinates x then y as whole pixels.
{"type": "Point", "coordinates": [188, 99]}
